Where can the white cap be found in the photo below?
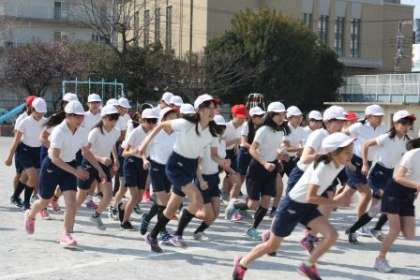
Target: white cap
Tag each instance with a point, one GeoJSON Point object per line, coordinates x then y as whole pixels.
{"type": "Point", "coordinates": [166, 97]}
{"type": "Point", "coordinates": [150, 113]}
{"type": "Point", "coordinates": [293, 111]}
{"type": "Point", "coordinates": [400, 115]}
{"type": "Point", "coordinates": [334, 113]}
{"type": "Point", "coordinates": [186, 109]}
{"type": "Point", "coordinates": [315, 115]}
{"type": "Point", "coordinates": [39, 105]}
{"type": "Point", "coordinates": [334, 141]}
{"type": "Point", "coordinates": [108, 110]}
{"type": "Point", "coordinates": [256, 111]}
{"type": "Point", "coordinates": [219, 120]}
{"type": "Point", "coordinates": [374, 110]}
{"type": "Point", "coordinates": [69, 96]}
{"type": "Point", "coordinates": [94, 98]}
{"type": "Point", "coordinates": [74, 107]}
{"type": "Point", "coordinates": [165, 111]}
{"type": "Point", "coordinates": [112, 101]}
{"type": "Point", "coordinates": [123, 102]}
{"type": "Point", "coordinates": [176, 100]}
{"type": "Point", "coordinates": [201, 99]}
{"type": "Point", "coordinates": [276, 107]}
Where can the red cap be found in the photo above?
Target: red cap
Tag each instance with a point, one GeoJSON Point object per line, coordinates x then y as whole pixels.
{"type": "Point", "coordinates": [352, 116]}
{"type": "Point", "coordinates": [240, 111]}
{"type": "Point", "coordinates": [29, 99]}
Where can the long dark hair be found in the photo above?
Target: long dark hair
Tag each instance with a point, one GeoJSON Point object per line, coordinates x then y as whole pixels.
{"type": "Point", "coordinates": [55, 119]}
{"type": "Point", "coordinates": [195, 119]}
{"type": "Point", "coordinates": [393, 132]}
{"type": "Point", "coordinates": [413, 144]}
{"type": "Point", "coordinates": [268, 121]}
{"type": "Point", "coordinates": [251, 130]}
{"type": "Point", "coordinates": [136, 119]}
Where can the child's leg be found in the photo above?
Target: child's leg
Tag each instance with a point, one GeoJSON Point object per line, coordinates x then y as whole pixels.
{"type": "Point", "coordinates": [271, 245]}
{"type": "Point", "coordinates": [322, 226]}
{"type": "Point", "coordinates": [394, 231]}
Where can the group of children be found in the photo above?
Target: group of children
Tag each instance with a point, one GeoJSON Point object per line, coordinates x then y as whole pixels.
{"type": "Point", "coordinates": [181, 150]}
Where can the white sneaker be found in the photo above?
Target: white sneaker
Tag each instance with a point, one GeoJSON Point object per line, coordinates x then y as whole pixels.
{"type": "Point", "coordinates": [377, 234]}
{"type": "Point", "coordinates": [200, 236]}
{"type": "Point", "coordinates": [383, 266]}
{"type": "Point", "coordinates": [364, 231]}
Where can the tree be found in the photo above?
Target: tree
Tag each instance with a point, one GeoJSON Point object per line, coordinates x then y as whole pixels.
{"type": "Point", "coordinates": [275, 55]}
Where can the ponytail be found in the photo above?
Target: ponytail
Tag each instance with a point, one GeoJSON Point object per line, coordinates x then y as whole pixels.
{"type": "Point", "coordinates": [55, 119]}
{"type": "Point", "coordinates": [100, 125]}
{"type": "Point", "coordinates": [413, 144]}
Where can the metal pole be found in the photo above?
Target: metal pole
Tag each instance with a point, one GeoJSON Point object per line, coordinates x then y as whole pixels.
{"type": "Point", "coordinates": [102, 88]}
{"type": "Point", "coordinates": [75, 89]}
{"type": "Point", "coordinates": [89, 85]}
{"type": "Point", "coordinates": [115, 86]}
{"type": "Point", "coordinates": [63, 87]}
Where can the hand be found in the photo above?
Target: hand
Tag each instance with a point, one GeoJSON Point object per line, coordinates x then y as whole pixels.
{"type": "Point", "coordinates": [146, 164]}
{"type": "Point", "coordinates": [203, 185]}
{"type": "Point", "coordinates": [269, 166]}
{"type": "Point", "coordinates": [106, 161]}
{"type": "Point", "coordinates": [8, 161]}
{"type": "Point", "coordinates": [226, 164]}
{"type": "Point", "coordinates": [81, 174]}
{"type": "Point", "coordinates": [365, 169]}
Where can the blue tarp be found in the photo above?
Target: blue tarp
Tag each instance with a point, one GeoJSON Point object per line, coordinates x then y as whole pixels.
{"type": "Point", "coordinates": [12, 113]}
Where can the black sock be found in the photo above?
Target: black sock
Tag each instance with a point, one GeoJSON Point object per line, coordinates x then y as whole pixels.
{"type": "Point", "coordinates": [259, 216]}
{"type": "Point", "coordinates": [27, 195]}
{"type": "Point", "coordinates": [160, 212]}
{"type": "Point", "coordinates": [19, 189]}
{"type": "Point", "coordinates": [202, 227]}
{"type": "Point", "coordinates": [185, 219]}
{"type": "Point", "coordinates": [241, 206]}
{"type": "Point", "coordinates": [381, 222]}
{"type": "Point", "coordinates": [363, 220]}
{"type": "Point", "coordinates": [152, 212]}
{"type": "Point", "coordinates": [273, 209]}
{"type": "Point", "coordinates": [160, 225]}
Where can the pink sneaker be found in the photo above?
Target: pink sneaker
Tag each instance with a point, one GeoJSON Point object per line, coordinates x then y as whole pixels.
{"type": "Point", "coordinates": [238, 270]}
{"type": "Point", "coordinates": [29, 223]}
{"type": "Point", "coordinates": [309, 271]}
{"type": "Point", "coordinates": [67, 241]}
{"type": "Point", "coordinates": [146, 196]}
{"type": "Point", "coordinates": [54, 205]}
{"type": "Point", "coordinates": [44, 214]}
{"type": "Point", "coordinates": [92, 205]}
{"type": "Point", "coordinates": [308, 243]}
{"type": "Point", "coordinates": [236, 217]}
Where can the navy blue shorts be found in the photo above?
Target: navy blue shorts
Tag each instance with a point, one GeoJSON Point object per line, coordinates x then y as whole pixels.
{"type": "Point", "coordinates": [294, 178]}
{"type": "Point", "coordinates": [79, 158]}
{"type": "Point", "coordinates": [29, 157]}
{"type": "Point", "coordinates": [93, 174]}
{"type": "Point", "coordinates": [289, 165]}
{"type": "Point", "coordinates": [259, 181]}
{"type": "Point", "coordinates": [52, 176]}
{"type": "Point", "coordinates": [160, 182]}
{"type": "Point", "coordinates": [378, 179]}
{"type": "Point", "coordinates": [231, 154]}
{"type": "Point", "coordinates": [43, 153]}
{"type": "Point", "coordinates": [18, 166]}
{"type": "Point", "coordinates": [134, 173]}
{"type": "Point", "coordinates": [213, 182]}
{"type": "Point", "coordinates": [398, 200]}
{"type": "Point", "coordinates": [290, 213]}
{"type": "Point", "coordinates": [120, 159]}
{"type": "Point", "coordinates": [355, 176]}
{"type": "Point", "coordinates": [243, 160]}
{"type": "Point", "coordinates": [181, 171]}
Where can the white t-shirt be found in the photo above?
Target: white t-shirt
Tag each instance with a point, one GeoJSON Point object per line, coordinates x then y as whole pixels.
{"type": "Point", "coordinates": [296, 137]}
{"type": "Point", "coordinates": [31, 130]}
{"type": "Point", "coordinates": [314, 141]}
{"type": "Point", "coordinates": [411, 161]}
{"type": "Point", "coordinates": [135, 138]}
{"type": "Point", "coordinates": [68, 142]}
{"type": "Point", "coordinates": [362, 133]}
{"type": "Point", "coordinates": [322, 176]}
{"type": "Point", "coordinates": [20, 118]}
{"type": "Point", "coordinates": [130, 127]}
{"type": "Point", "coordinates": [208, 165]}
{"type": "Point", "coordinates": [91, 120]}
{"type": "Point", "coordinates": [123, 122]}
{"type": "Point", "coordinates": [245, 129]}
{"type": "Point", "coordinates": [162, 146]}
{"type": "Point", "coordinates": [389, 150]}
{"type": "Point", "coordinates": [307, 131]}
{"type": "Point", "coordinates": [232, 133]}
{"type": "Point", "coordinates": [102, 144]}
{"type": "Point", "coordinates": [269, 142]}
{"type": "Point", "coordinates": [188, 143]}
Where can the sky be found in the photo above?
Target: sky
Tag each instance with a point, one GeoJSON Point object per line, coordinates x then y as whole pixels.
{"type": "Point", "coordinates": [414, 3]}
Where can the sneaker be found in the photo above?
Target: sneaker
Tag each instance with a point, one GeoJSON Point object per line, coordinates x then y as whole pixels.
{"type": "Point", "coordinates": [67, 241]}
{"type": "Point", "coordinates": [91, 205]}
{"type": "Point", "coordinates": [309, 271]}
{"type": "Point", "coordinates": [29, 223]}
{"type": "Point", "coordinates": [44, 214]}
{"type": "Point", "coordinates": [265, 236]}
{"type": "Point", "coordinates": [253, 234]}
{"type": "Point", "coordinates": [154, 245]}
{"type": "Point", "coordinates": [377, 234]}
{"type": "Point", "coordinates": [127, 225]}
{"type": "Point", "coordinates": [238, 270]}
{"type": "Point", "coordinates": [308, 243]}
{"type": "Point", "coordinates": [364, 231]}
{"type": "Point", "coordinates": [352, 237]}
{"type": "Point", "coordinates": [246, 215]}
{"type": "Point", "coordinates": [54, 205]}
{"type": "Point", "coordinates": [236, 216]}
{"type": "Point", "coordinates": [200, 236]}
{"type": "Point", "coordinates": [137, 209]}
{"type": "Point", "coordinates": [98, 222]}
{"type": "Point", "coordinates": [178, 241]}
{"type": "Point", "coordinates": [229, 211]}
{"type": "Point", "coordinates": [120, 210]}
{"type": "Point", "coordinates": [165, 238]}
{"type": "Point", "coordinates": [113, 213]}
{"type": "Point", "coordinates": [146, 196]}
{"type": "Point", "coordinates": [383, 266]}
{"type": "Point", "coordinates": [225, 197]}
{"type": "Point", "coordinates": [144, 224]}
{"type": "Point", "coordinates": [16, 201]}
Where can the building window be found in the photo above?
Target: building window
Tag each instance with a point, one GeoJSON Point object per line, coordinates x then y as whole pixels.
{"type": "Point", "coordinates": [307, 20]}
{"type": "Point", "coordinates": [146, 27]}
{"type": "Point", "coordinates": [339, 35]}
{"type": "Point", "coordinates": [57, 10]}
{"type": "Point", "coordinates": [157, 25]}
{"type": "Point", "coordinates": [168, 41]}
{"type": "Point", "coordinates": [323, 29]}
{"type": "Point", "coordinates": [9, 44]}
{"type": "Point", "coordinates": [355, 37]}
{"type": "Point", "coordinates": [57, 36]}
{"type": "Point", "coordinates": [136, 28]}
